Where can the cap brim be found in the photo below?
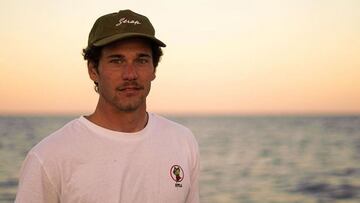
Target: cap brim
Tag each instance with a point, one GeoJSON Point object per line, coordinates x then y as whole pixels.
{"type": "Point", "coordinates": [116, 37]}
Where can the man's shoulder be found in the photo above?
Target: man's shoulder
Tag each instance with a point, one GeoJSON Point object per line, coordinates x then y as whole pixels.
{"type": "Point", "coordinates": [59, 138]}
{"type": "Point", "coordinates": [173, 129]}
{"type": "Point", "coordinates": [168, 124]}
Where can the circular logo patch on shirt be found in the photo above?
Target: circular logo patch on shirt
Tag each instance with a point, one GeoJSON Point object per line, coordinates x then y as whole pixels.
{"type": "Point", "coordinates": [177, 173]}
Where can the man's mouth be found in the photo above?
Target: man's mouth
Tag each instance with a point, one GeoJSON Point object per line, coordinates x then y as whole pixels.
{"type": "Point", "coordinates": [130, 89]}
{"type": "Point", "coordinates": [126, 88]}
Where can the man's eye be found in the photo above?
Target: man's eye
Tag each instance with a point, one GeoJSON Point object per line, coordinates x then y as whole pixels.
{"type": "Point", "coordinates": [118, 61]}
{"type": "Point", "coordinates": [143, 61]}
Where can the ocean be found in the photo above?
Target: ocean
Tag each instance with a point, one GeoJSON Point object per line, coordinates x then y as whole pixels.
{"type": "Point", "coordinates": [250, 159]}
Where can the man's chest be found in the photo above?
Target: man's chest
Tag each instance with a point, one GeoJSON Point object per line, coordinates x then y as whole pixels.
{"type": "Point", "coordinates": [143, 174]}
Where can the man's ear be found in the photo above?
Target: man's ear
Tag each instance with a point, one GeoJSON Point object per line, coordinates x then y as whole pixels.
{"type": "Point", "coordinates": [93, 71]}
{"type": "Point", "coordinates": [154, 75]}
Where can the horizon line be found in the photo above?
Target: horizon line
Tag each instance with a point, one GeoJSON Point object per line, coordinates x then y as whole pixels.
{"type": "Point", "coordinates": [195, 114]}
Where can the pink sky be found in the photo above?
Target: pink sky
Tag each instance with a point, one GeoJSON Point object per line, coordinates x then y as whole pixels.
{"type": "Point", "coordinates": [251, 57]}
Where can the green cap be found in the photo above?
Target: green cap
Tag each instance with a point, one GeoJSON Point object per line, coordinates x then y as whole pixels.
{"type": "Point", "coordinates": [124, 24]}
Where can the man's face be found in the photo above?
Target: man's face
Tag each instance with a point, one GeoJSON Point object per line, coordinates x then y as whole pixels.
{"type": "Point", "coordinates": [124, 75]}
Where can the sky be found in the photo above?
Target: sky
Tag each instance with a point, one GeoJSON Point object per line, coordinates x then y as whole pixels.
{"type": "Point", "coordinates": [222, 57]}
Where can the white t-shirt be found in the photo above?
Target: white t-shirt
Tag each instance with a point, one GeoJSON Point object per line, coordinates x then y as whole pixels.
{"type": "Point", "coordinates": [83, 162]}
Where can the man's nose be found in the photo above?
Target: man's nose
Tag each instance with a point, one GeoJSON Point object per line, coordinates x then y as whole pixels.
{"type": "Point", "coordinates": [130, 72]}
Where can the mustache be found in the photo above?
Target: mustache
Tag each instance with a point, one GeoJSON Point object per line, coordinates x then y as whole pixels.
{"type": "Point", "coordinates": [127, 85]}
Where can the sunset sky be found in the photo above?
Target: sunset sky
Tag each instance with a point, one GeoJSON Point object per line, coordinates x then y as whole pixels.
{"type": "Point", "coordinates": [222, 57]}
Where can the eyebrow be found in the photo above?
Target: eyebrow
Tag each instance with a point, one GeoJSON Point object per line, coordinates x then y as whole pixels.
{"type": "Point", "coordinates": [122, 56]}
{"type": "Point", "coordinates": [116, 56]}
{"type": "Point", "coordinates": [144, 55]}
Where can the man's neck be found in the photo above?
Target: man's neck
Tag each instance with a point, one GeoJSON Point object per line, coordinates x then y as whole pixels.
{"type": "Point", "coordinates": [128, 122]}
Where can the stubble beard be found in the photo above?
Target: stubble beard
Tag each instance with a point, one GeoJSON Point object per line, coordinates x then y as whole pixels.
{"type": "Point", "coordinates": [130, 106]}
{"type": "Point", "coordinates": [127, 104]}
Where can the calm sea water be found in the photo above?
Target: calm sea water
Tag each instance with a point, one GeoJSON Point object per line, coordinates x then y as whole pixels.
{"type": "Point", "coordinates": [243, 159]}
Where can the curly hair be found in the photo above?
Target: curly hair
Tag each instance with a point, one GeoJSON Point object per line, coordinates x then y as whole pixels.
{"type": "Point", "coordinates": [92, 54]}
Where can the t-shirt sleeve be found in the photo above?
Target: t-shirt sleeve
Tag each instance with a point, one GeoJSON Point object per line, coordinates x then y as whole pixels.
{"type": "Point", "coordinates": [34, 183]}
{"type": "Point", "coordinates": [193, 196]}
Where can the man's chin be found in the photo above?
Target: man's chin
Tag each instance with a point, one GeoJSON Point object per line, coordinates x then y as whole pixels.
{"type": "Point", "coordinates": [129, 107]}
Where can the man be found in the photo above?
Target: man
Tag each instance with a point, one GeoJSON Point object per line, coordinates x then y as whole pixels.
{"type": "Point", "coordinates": [120, 153]}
